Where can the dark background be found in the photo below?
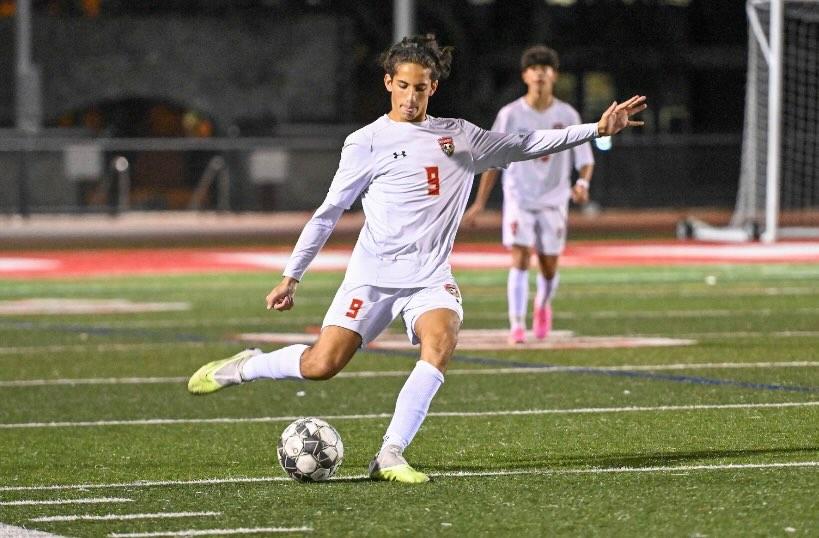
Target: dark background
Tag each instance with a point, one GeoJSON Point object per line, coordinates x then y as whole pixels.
{"type": "Point", "coordinates": [217, 68]}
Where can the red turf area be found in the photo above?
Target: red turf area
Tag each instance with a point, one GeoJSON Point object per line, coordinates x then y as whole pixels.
{"type": "Point", "coordinates": [58, 263]}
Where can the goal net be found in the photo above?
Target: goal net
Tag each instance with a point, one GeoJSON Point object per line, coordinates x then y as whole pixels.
{"type": "Point", "coordinates": [778, 195]}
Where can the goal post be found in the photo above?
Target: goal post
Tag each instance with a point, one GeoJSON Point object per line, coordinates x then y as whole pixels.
{"type": "Point", "coordinates": [778, 194]}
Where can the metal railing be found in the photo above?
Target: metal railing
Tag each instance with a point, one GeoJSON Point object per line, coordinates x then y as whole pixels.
{"type": "Point", "coordinates": [49, 174]}
{"type": "Point", "coordinates": [56, 173]}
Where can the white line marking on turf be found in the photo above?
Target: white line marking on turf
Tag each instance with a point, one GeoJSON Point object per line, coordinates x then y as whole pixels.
{"type": "Point", "coordinates": [124, 517]}
{"type": "Point", "coordinates": [9, 531]}
{"type": "Point", "coordinates": [657, 314]}
{"type": "Point", "coordinates": [98, 500]}
{"type": "Point", "coordinates": [453, 474]}
{"type": "Point", "coordinates": [483, 340]}
{"type": "Point", "coordinates": [209, 532]}
{"type": "Point", "coordinates": [82, 348]}
{"type": "Point", "coordinates": [27, 264]}
{"type": "Point", "coordinates": [124, 348]}
{"type": "Point", "coordinates": [402, 373]}
{"type": "Point", "coordinates": [42, 306]}
{"type": "Point", "coordinates": [94, 381]}
{"type": "Point", "coordinates": [603, 470]}
{"type": "Point", "coordinates": [749, 334]}
{"type": "Point", "coordinates": [511, 412]}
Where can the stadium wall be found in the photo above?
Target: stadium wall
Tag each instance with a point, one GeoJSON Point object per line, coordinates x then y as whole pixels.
{"type": "Point", "coordinates": [230, 69]}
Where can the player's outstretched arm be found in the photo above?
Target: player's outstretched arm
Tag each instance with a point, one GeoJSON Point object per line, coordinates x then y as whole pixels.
{"type": "Point", "coordinates": [282, 296]}
{"type": "Point", "coordinates": [488, 180]}
{"type": "Point", "coordinates": [617, 116]}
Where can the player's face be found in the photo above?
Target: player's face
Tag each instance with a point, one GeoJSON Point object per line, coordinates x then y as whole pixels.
{"type": "Point", "coordinates": [539, 78]}
{"type": "Point", "coordinates": [410, 87]}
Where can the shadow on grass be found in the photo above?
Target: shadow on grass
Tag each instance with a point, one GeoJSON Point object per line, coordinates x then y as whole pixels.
{"type": "Point", "coordinates": [666, 459]}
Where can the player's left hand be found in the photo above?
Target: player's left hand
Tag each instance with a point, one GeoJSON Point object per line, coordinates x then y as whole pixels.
{"type": "Point", "coordinates": [616, 117]}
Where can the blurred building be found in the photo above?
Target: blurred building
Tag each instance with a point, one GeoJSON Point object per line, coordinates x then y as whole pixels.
{"type": "Point", "coordinates": [266, 68]}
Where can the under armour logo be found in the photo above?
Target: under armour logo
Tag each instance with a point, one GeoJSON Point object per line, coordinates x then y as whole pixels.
{"type": "Point", "coordinates": [396, 154]}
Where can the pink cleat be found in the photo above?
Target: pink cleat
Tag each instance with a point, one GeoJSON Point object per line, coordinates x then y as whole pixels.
{"type": "Point", "coordinates": [517, 336]}
{"type": "Point", "coordinates": [542, 322]}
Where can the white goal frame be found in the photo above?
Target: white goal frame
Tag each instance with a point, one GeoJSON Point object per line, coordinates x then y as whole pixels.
{"type": "Point", "coordinates": [749, 222]}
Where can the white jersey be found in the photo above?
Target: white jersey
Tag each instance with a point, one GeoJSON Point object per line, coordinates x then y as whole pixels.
{"type": "Point", "coordinates": [415, 180]}
{"type": "Point", "coordinates": [543, 182]}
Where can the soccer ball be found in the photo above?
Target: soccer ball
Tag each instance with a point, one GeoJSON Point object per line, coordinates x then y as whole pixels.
{"type": "Point", "coordinates": [310, 450]}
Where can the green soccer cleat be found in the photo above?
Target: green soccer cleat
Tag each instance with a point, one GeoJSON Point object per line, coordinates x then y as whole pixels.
{"type": "Point", "coordinates": [390, 465]}
{"type": "Point", "coordinates": [220, 374]}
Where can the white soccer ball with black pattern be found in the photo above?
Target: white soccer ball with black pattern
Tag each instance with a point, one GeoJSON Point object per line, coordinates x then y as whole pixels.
{"type": "Point", "coordinates": [310, 450]}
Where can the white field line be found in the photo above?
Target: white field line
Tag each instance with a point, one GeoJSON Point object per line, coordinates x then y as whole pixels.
{"type": "Point", "coordinates": [94, 381]}
{"type": "Point", "coordinates": [659, 314]}
{"type": "Point", "coordinates": [125, 348]}
{"type": "Point", "coordinates": [63, 348]}
{"type": "Point", "coordinates": [402, 373]}
{"type": "Point", "coordinates": [745, 334]}
{"type": "Point", "coordinates": [512, 412]}
{"type": "Point", "coordinates": [124, 517]}
{"type": "Point", "coordinates": [97, 500]}
{"type": "Point", "coordinates": [475, 298]}
{"type": "Point", "coordinates": [656, 469]}
{"type": "Point", "coordinates": [9, 531]}
{"type": "Point", "coordinates": [61, 306]}
{"type": "Point", "coordinates": [454, 474]}
{"type": "Point", "coordinates": [567, 314]}
{"type": "Point", "coordinates": [693, 275]}
{"type": "Point", "coordinates": [209, 532]}
{"type": "Point", "coordinates": [692, 292]}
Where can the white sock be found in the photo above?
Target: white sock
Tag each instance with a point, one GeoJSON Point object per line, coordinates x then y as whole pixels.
{"type": "Point", "coordinates": [284, 363]}
{"type": "Point", "coordinates": [546, 289]}
{"type": "Point", "coordinates": [517, 294]}
{"type": "Point", "coordinates": [412, 404]}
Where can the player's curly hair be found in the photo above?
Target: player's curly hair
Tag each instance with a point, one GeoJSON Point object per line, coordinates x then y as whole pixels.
{"type": "Point", "coordinates": [422, 50]}
{"type": "Point", "coordinates": [539, 55]}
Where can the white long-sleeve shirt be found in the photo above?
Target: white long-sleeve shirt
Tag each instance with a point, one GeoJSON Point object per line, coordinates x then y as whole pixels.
{"type": "Point", "coordinates": [414, 180]}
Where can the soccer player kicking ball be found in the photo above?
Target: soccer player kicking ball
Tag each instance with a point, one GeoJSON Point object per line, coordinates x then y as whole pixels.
{"type": "Point", "coordinates": [414, 173]}
{"type": "Point", "coordinates": [536, 193]}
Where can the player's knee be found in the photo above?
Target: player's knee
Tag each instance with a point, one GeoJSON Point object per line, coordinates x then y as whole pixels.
{"type": "Point", "coordinates": [318, 371]}
{"type": "Point", "coordinates": [439, 343]}
{"type": "Point", "coordinates": [448, 339]}
{"type": "Point", "coordinates": [520, 258]}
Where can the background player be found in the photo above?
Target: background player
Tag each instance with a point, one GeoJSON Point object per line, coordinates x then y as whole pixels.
{"type": "Point", "coordinates": [536, 193]}
{"type": "Point", "coordinates": [414, 173]}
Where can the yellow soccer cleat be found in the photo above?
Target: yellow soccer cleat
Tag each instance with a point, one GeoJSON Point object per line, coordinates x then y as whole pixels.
{"type": "Point", "coordinates": [220, 374]}
{"type": "Point", "coordinates": [400, 473]}
{"type": "Point", "coordinates": [390, 465]}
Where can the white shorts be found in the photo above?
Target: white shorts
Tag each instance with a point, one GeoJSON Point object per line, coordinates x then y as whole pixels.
{"type": "Point", "coordinates": [369, 310]}
{"type": "Point", "coordinates": [543, 229]}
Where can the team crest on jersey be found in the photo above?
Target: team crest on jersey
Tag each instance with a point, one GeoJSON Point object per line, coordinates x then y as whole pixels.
{"type": "Point", "coordinates": [453, 290]}
{"type": "Point", "coordinates": [447, 145]}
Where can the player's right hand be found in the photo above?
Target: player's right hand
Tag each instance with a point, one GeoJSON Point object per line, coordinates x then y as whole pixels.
{"type": "Point", "coordinates": [281, 298]}
{"type": "Point", "coordinates": [580, 193]}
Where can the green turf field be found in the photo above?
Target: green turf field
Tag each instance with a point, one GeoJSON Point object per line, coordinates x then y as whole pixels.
{"type": "Point", "coordinates": [719, 438]}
